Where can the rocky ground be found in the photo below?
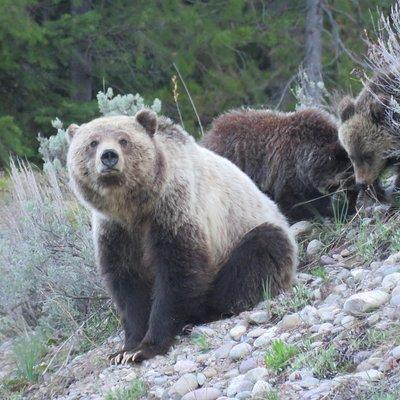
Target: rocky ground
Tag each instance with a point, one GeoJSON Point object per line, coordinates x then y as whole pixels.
{"type": "Point", "coordinates": [335, 336]}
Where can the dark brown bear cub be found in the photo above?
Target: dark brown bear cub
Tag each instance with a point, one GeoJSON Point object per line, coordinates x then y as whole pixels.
{"type": "Point", "coordinates": [295, 158]}
{"type": "Point", "coordinates": [181, 234]}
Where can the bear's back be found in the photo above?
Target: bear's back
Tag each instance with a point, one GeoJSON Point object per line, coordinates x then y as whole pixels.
{"type": "Point", "coordinates": [224, 201]}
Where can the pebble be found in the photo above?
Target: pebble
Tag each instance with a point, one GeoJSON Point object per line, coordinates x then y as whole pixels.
{"type": "Point", "coordinates": [371, 375]}
{"type": "Point", "coordinates": [261, 388]}
{"type": "Point", "coordinates": [301, 228]}
{"type": "Point", "coordinates": [256, 374]}
{"type": "Point", "coordinates": [361, 303]}
{"type": "Point", "coordinates": [185, 384]}
{"type": "Point", "coordinates": [223, 351]}
{"type": "Point", "coordinates": [396, 290]}
{"type": "Point", "coordinates": [240, 351]}
{"type": "Point", "coordinates": [290, 321]}
{"type": "Point", "coordinates": [309, 315]}
{"type": "Point", "coordinates": [359, 274]}
{"type": "Point", "coordinates": [325, 328]}
{"type": "Point", "coordinates": [265, 339]}
{"type": "Point", "coordinates": [395, 301]}
{"type": "Point", "coordinates": [390, 281]}
{"type": "Point", "coordinates": [247, 365]}
{"type": "Point", "coordinates": [314, 247]}
{"type": "Point", "coordinates": [203, 394]}
{"type": "Point", "coordinates": [237, 385]}
{"type": "Point", "coordinates": [246, 394]}
{"type": "Point", "coordinates": [393, 259]}
{"type": "Point", "coordinates": [308, 382]}
{"type": "Point", "coordinates": [201, 379]}
{"type": "Point", "coordinates": [388, 269]}
{"type": "Point", "coordinates": [326, 260]}
{"type": "Point", "coordinates": [348, 321]}
{"type": "Point", "coordinates": [257, 332]}
{"type": "Point", "coordinates": [185, 366]}
{"type": "Point", "coordinates": [237, 332]}
{"type": "Point", "coordinates": [396, 353]}
{"type": "Point", "coordinates": [259, 317]}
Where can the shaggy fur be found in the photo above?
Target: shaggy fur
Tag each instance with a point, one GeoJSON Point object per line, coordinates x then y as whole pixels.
{"type": "Point", "coordinates": [365, 134]}
{"type": "Point", "coordinates": [295, 158]}
{"type": "Point", "coordinates": [181, 234]}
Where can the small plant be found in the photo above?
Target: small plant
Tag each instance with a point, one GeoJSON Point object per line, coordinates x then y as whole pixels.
{"type": "Point", "coordinates": [202, 342]}
{"type": "Point", "coordinates": [128, 104]}
{"type": "Point", "coordinates": [272, 395]}
{"type": "Point", "coordinates": [98, 329]}
{"type": "Point", "coordinates": [294, 301]}
{"type": "Point", "coordinates": [11, 389]}
{"type": "Point", "coordinates": [28, 351]}
{"type": "Point", "coordinates": [325, 363]}
{"type": "Point", "coordinates": [134, 392]}
{"type": "Point", "coordinates": [319, 272]}
{"type": "Point", "coordinates": [280, 355]}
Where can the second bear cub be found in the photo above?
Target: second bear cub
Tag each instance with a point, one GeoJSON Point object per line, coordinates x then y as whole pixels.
{"type": "Point", "coordinates": [295, 157]}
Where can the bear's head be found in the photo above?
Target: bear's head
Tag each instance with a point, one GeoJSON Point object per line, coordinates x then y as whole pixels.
{"type": "Point", "coordinates": [328, 167]}
{"type": "Point", "coordinates": [363, 135]}
{"type": "Point", "coordinates": [112, 159]}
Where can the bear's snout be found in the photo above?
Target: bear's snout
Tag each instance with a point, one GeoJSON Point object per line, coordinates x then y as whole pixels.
{"type": "Point", "coordinates": [109, 158]}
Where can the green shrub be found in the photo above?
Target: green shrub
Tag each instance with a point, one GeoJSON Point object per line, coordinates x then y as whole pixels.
{"type": "Point", "coordinates": [134, 392]}
{"type": "Point", "coordinates": [28, 351]}
{"type": "Point", "coordinates": [280, 355]}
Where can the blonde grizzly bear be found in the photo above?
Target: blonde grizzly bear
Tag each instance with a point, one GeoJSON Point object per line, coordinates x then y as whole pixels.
{"type": "Point", "coordinates": [366, 133]}
{"type": "Point", "coordinates": [293, 157]}
{"type": "Point", "coordinates": [181, 234]}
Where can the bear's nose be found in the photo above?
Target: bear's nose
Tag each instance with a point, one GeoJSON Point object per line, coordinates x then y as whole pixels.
{"type": "Point", "coordinates": [109, 158]}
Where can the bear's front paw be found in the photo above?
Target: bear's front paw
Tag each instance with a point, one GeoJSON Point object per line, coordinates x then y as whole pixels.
{"type": "Point", "coordinates": [116, 358]}
{"type": "Point", "coordinates": [143, 352]}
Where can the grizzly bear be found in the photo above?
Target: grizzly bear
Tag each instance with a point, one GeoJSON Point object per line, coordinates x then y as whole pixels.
{"type": "Point", "coordinates": [366, 133]}
{"type": "Point", "coordinates": [293, 157]}
{"type": "Point", "coordinates": [181, 234]}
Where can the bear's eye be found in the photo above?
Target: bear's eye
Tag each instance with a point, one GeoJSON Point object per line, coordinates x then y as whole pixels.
{"type": "Point", "coordinates": [123, 142]}
{"type": "Point", "coordinates": [94, 143]}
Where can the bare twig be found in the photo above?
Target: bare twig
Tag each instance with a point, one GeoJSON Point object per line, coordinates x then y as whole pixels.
{"type": "Point", "coordinates": [190, 98]}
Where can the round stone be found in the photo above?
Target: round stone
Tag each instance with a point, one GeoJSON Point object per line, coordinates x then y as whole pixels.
{"type": "Point", "coordinates": [259, 317]}
{"type": "Point", "coordinates": [314, 247]}
{"type": "Point", "coordinates": [290, 321]}
{"type": "Point", "coordinates": [203, 394]}
{"type": "Point", "coordinates": [185, 366]}
{"type": "Point", "coordinates": [390, 281]}
{"type": "Point", "coordinates": [265, 339]}
{"type": "Point", "coordinates": [223, 351]}
{"type": "Point", "coordinates": [237, 332]}
{"type": "Point", "coordinates": [240, 351]}
{"type": "Point", "coordinates": [361, 303]}
{"type": "Point", "coordinates": [256, 374]}
{"type": "Point", "coordinates": [257, 332]}
{"type": "Point", "coordinates": [185, 384]}
{"type": "Point", "coordinates": [247, 365]}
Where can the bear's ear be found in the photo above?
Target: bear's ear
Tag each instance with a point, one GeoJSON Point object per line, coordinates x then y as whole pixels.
{"type": "Point", "coordinates": [346, 108]}
{"type": "Point", "coordinates": [378, 108]}
{"type": "Point", "coordinates": [71, 130]}
{"type": "Point", "coordinates": [148, 119]}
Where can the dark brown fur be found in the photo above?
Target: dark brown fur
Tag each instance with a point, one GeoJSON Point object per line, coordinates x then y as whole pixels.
{"type": "Point", "coordinates": [292, 157]}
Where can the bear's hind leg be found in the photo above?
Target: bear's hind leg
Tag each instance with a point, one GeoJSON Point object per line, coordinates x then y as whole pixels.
{"type": "Point", "coordinates": [265, 259]}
